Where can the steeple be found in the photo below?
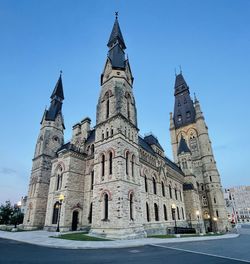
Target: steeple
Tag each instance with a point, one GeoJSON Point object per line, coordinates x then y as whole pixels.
{"type": "Point", "coordinates": [183, 147]}
{"type": "Point", "coordinates": [57, 98]}
{"type": "Point", "coordinates": [184, 112]}
{"type": "Point", "coordinates": [117, 46]}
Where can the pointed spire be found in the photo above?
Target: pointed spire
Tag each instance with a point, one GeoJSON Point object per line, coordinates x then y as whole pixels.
{"type": "Point", "coordinates": [57, 98]}
{"type": "Point", "coordinates": [183, 147]}
{"type": "Point", "coordinates": [116, 35]}
{"type": "Point", "coordinates": [184, 112]}
{"type": "Point", "coordinates": [58, 90]}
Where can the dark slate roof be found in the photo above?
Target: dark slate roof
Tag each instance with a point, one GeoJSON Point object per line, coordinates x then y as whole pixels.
{"type": "Point", "coordinates": [117, 57]}
{"type": "Point", "coordinates": [188, 186]}
{"type": "Point", "coordinates": [116, 34]}
{"type": "Point", "coordinates": [183, 147]}
{"type": "Point", "coordinates": [173, 165]}
{"type": "Point", "coordinates": [58, 90]}
{"type": "Point", "coordinates": [152, 140]}
{"type": "Point", "coordinates": [91, 137]}
{"type": "Point", "coordinates": [143, 144]}
{"type": "Point", "coordinates": [184, 112]}
{"type": "Point", "coordinates": [69, 146]}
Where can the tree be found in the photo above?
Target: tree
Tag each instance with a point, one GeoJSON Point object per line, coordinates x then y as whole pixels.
{"type": "Point", "coordinates": [6, 211]}
{"type": "Point", "coordinates": [10, 214]}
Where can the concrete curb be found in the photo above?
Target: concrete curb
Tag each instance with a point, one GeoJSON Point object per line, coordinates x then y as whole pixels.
{"type": "Point", "coordinates": [42, 238]}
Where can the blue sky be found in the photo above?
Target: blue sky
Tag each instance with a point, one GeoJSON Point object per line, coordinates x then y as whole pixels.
{"type": "Point", "coordinates": [209, 39]}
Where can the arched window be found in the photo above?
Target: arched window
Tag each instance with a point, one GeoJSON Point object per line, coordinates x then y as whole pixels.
{"type": "Point", "coordinates": [165, 212]}
{"type": "Point", "coordinates": [163, 189]}
{"type": "Point", "coordinates": [107, 107]}
{"type": "Point", "coordinates": [59, 179]}
{"type": "Point", "coordinates": [92, 149]}
{"type": "Point", "coordinates": [180, 196]}
{"type": "Point", "coordinates": [147, 211]}
{"type": "Point", "coordinates": [170, 192]}
{"type": "Point", "coordinates": [103, 165]}
{"type": "Point", "coordinates": [106, 206]}
{"type": "Point", "coordinates": [156, 212]}
{"type": "Point", "coordinates": [173, 213]}
{"type": "Point", "coordinates": [182, 211]}
{"type": "Point", "coordinates": [128, 105]}
{"type": "Point", "coordinates": [127, 163]}
{"type": "Point", "coordinates": [110, 162]}
{"type": "Point", "coordinates": [215, 200]}
{"type": "Point", "coordinates": [178, 213]}
{"type": "Point", "coordinates": [146, 183]}
{"type": "Point", "coordinates": [90, 213]}
{"type": "Point", "coordinates": [131, 206]}
{"type": "Point", "coordinates": [175, 191]}
{"type": "Point", "coordinates": [132, 165]}
{"type": "Point", "coordinates": [154, 186]}
{"type": "Point", "coordinates": [204, 201]}
{"type": "Point", "coordinates": [92, 179]}
{"type": "Point", "coordinates": [55, 213]}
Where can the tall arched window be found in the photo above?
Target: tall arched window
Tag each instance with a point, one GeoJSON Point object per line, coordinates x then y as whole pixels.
{"type": "Point", "coordinates": [170, 192]}
{"type": "Point", "coordinates": [182, 211]}
{"type": "Point", "coordinates": [131, 206]}
{"type": "Point", "coordinates": [106, 206]}
{"type": "Point", "coordinates": [165, 212]}
{"type": "Point", "coordinates": [107, 107]}
{"type": "Point", "coordinates": [90, 213]}
{"type": "Point", "coordinates": [59, 178]}
{"type": "Point", "coordinates": [180, 196]}
{"type": "Point", "coordinates": [156, 212]}
{"type": "Point", "coordinates": [147, 211]}
{"type": "Point", "coordinates": [154, 186]}
{"type": "Point", "coordinates": [127, 163]}
{"type": "Point", "coordinates": [178, 213]}
{"type": "Point", "coordinates": [128, 105]}
{"type": "Point", "coordinates": [92, 179]}
{"type": "Point", "coordinates": [146, 183]}
{"type": "Point", "coordinates": [163, 189]}
{"type": "Point", "coordinates": [110, 162]}
{"type": "Point", "coordinates": [103, 165]}
{"type": "Point", "coordinates": [55, 213]}
{"type": "Point", "coordinates": [176, 197]}
{"type": "Point", "coordinates": [92, 149]}
{"type": "Point", "coordinates": [132, 165]}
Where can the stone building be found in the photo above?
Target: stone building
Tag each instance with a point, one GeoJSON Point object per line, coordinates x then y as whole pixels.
{"type": "Point", "coordinates": [238, 203]}
{"type": "Point", "coordinates": [113, 182]}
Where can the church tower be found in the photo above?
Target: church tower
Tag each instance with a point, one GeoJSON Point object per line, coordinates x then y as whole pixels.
{"type": "Point", "coordinates": [50, 139]}
{"type": "Point", "coordinates": [188, 124]}
{"type": "Point", "coordinates": [117, 211]}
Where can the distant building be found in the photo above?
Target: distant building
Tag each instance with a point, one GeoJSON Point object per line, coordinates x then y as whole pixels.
{"type": "Point", "coordinates": [238, 203]}
{"type": "Point", "coordinates": [22, 204]}
{"type": "Point", "coordinates": [112, 181]}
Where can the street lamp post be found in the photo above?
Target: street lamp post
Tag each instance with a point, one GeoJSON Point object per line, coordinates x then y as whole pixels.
{"type": "Point", "coordinates": [198, 217]}
{"type": "Point", "coordinates": [61, 198]}
{"type": "Point", "coordinates": [174, 214]}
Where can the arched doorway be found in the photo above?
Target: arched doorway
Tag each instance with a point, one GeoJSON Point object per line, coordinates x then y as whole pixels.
{"type": "Point", "coordinates": [74, 220]}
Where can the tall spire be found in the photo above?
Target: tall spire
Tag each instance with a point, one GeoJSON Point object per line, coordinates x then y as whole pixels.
{"type": "Point", "coordinates": [57, 98]}
{"type": "Point", "coordinates": [184, 112]}
{"type": "Point", "coordinates": [116, 35]}
{"type": "Point", "coordinates": [117, 46]}
{"type": "Point", "coordinates": [58, 90]}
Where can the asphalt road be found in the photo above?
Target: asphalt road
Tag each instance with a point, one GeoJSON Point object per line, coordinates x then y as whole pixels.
{"type": "Point", "coordinates": [16, 252]}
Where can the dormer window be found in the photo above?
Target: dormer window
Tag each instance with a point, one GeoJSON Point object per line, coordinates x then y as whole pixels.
{"type": "Point", "coordinates": [179, 118]}
{"type": "Point", "coordinates": [188, 114]}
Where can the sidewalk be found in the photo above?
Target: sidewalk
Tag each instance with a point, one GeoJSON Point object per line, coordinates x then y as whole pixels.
{"type": "Point", "coordinates": [42, 238]}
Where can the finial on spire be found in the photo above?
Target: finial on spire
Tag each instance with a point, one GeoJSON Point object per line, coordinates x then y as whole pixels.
{"type": "Point", "coordinates": [61, 72]}
{"type": "Point", "coordinates": [180, 69]}
{"type": "Point", "coordinates": [116, 15]}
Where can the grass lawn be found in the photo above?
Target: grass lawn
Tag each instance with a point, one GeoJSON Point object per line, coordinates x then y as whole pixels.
{"type": "Point", "coordinates": [80, 237]}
